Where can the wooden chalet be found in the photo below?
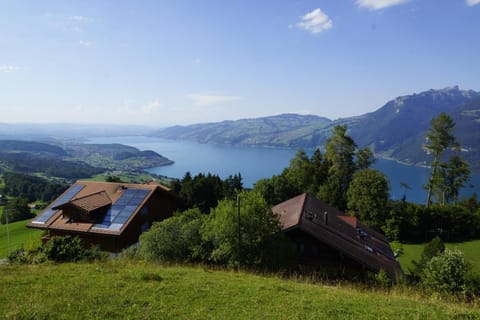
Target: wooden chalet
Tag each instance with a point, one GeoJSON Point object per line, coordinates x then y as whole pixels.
{"type": "Point", "coordinates": [110, 215]}
{"type": "Point", "coordinates": [326, 237]}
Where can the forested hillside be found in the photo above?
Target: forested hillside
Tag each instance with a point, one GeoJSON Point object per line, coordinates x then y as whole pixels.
{"type": "Point", "coordinates": [286, 130]}
{"type": "Point", "coordinates": [398, 129]}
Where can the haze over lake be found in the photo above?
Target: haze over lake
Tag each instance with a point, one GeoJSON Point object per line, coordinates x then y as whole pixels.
{"type": "Point", "coordinates": [259, 163]}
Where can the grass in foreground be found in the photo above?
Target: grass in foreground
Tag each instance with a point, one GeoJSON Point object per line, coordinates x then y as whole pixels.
{"type": "Point", "coordinates": [119, 290]}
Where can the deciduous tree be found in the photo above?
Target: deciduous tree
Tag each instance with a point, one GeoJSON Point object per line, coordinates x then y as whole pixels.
{"type": "Point", "coordinates": [339, 154]}
{"type": "Point", "coordinates": [176, 239]}
{"type": "Point", "coordinates": [368, 195]}
{"type": "Point", "coordinates": [17, 209]}
{"type": "Point", "coordinates": [261, 242]}
{"type": "Point", "coordinates": [300, 173]}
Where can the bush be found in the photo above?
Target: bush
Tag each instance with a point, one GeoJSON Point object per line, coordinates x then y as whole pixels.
{"type": "Point", "coordinates": [18, 256]}
{"type": "Point", "coordinates": [63, 249]}
{"type": "Point", "coordinates": [446, 273]}
{"type": "Point", "coordinates": [378, 280]}
{"type": "Point", "coordinates": [176, 239]}
{"type": "Point", "coordinates": [70, 249]}
{"type": "Point", "coordinates": [32, 256]}
{"type": "Point", "coordinates": [431, 249]}
{"type": "Point", "coordinates": [58, 249]}
{"type": "Point", "coordinates": [129, 253]}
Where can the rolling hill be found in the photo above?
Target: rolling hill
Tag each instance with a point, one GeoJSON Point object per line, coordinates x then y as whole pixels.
{"type": "Point", "coordinates": [286, 130]}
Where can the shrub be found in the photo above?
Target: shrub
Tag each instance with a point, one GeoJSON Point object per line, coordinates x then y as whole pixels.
{"type": "Point", "coordinates": [379, 280]}
{"type": "Point", "coordinates": [129, 253]}
{"type": "Point", "coordinates": [176, 239]}
{"type": "Point", "coordinates": [446, 273]}
{"type": "Point", "coordinates": [431, 249]}
{"type": "Point", "coordinates": [70, 249]}
{"type": "Point", "coordinates": [18, 256]}
{"type": "Point", "coordinates": [31, 256]}
{"type": "Point", "coordinates": [382, 280]}
{"type": "Point", "coordinates": [58, 249]}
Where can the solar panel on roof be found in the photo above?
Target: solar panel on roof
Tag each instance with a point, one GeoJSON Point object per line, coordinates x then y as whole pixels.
{"type": "Point", "coordinates": [122, 209]}
{"type": "Point", "coordinates": [64, 198]}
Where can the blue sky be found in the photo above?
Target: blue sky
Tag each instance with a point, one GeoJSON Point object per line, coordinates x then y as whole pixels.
{"type": "Point", "coordinates": [179, 62]}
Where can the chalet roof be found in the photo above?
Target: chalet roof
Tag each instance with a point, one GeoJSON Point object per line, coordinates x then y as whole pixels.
{"type": "Point", "coordinates": [123, 200]}
{"type": "Point", "coordinates": [343, 233]}
{"type": "Point", "coordinates": [89, 202]}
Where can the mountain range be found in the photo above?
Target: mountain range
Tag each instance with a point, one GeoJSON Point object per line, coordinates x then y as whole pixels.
{"type": "Point", "coordinates": [395, 130]}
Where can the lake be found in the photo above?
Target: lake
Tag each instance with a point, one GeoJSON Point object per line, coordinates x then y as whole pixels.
{"type": "Point", "coordinates": [255, 163]}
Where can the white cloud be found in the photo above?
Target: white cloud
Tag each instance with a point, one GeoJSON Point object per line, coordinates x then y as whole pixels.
{"type": "Point", "coordinates": [380, 4]}
{"type": "Point", "coordinates": [315, 22]}
{"type": "Point", "coordinates": [203, 100]}
{"type": "Point", "coordinates": [472, 3]}
{"type": "Point", "coordinates": [79, 19]}
{"type": "Point", "coordinates": [85, 43]}
{"type": "Point", "coordinates": [151, 107]}
{"type": "Point", "coordinates": [9, 68]}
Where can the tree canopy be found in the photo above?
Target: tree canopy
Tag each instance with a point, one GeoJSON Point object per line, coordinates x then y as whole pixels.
{"type": "Point", "coordinates": [17, 209]}
{"type": "Point", "coordinates": [203, 191]}
{"type": "Point", "coordinates": [251, 239]}
{"type": "Point", "coordinates": [438, 138]}
{"type": "Point", "coordinates": [368, 195]}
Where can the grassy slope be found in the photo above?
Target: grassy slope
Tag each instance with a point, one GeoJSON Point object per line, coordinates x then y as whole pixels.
{"type": "Point", "coordinates": [19, 236]}
{"type": "Point", "coordinates": [471, 249]}
{"type": "Point", "coordinates": [115, 290]}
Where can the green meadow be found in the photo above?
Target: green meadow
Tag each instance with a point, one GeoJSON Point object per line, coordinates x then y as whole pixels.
{"type": "Point", "coordinates": [117, 289]}
{"type": "Point", "coordinates": [471, 250]}
{"type": "Point", "coordinates": [20, 236]}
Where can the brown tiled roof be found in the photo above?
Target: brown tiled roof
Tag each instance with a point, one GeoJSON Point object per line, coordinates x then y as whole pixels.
{"type": "Point", "coordinates": [332, 227]}
{"type": "Point", "coordinates": [89, 202]}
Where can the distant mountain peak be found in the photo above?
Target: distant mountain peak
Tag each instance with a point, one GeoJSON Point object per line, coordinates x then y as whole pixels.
{"type": "Point", "coordinates": [436, 98]}
{"type": "Point", "coordinates": [452, 91]}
